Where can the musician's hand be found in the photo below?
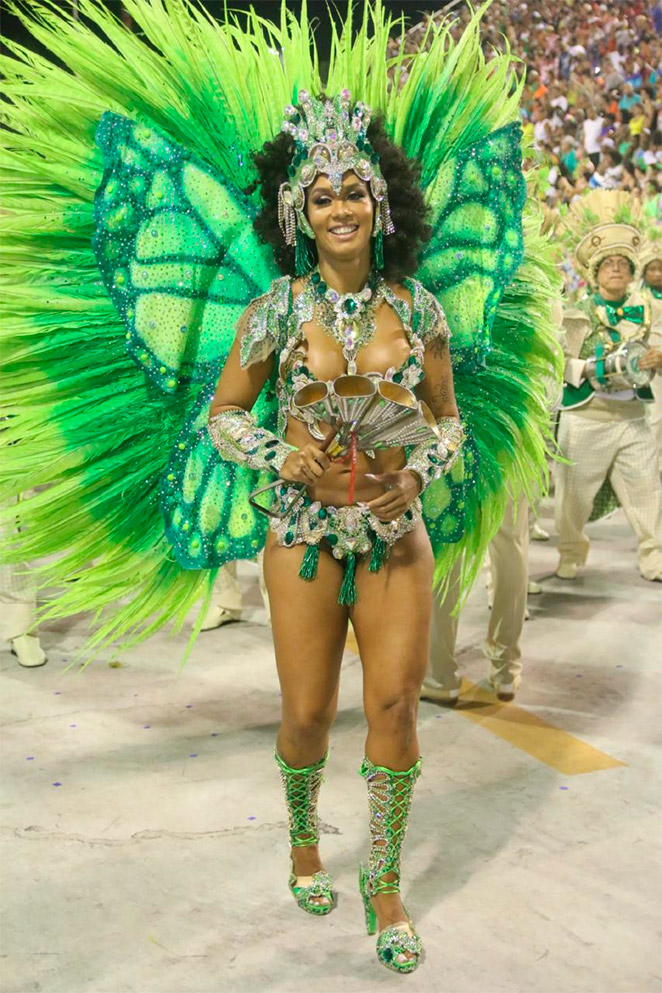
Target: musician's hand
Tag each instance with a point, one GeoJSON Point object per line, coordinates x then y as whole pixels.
{"type": "Point", "coordinates": [400, 490]}
{"type": "Point", "coordinates": [306, 465]}
{"type": "Point", "coordinates": [652, 359]}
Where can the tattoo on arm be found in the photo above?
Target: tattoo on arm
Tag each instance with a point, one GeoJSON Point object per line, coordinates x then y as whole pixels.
{"type": "Point", "coordinates": [438, 346]}
{"type": "Point", "coordinates": [442, 393]}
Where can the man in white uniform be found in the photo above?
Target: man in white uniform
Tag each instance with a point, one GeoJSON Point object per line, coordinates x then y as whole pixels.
{"type": "Point", "coordinates": [509, 554]}
{"type": "Point", "coordinates": [603, 433]}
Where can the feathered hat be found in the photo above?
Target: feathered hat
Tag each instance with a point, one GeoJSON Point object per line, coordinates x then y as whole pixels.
{"type": "Point", "coordinates": [651, 247]}
{"type": "Point", "coordinates": [600, 224]}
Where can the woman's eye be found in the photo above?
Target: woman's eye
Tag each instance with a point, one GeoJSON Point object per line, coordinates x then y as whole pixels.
{"type": "Point", "coordinates": [357, 195]}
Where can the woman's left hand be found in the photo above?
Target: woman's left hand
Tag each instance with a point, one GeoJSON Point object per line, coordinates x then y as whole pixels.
{"type": "Point", "coordinates": [400, 490]}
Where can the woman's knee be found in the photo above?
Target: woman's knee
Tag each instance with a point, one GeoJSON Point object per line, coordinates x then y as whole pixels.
{"type": "Point", "coordinates": [308, 722]}
{"type": "Point", "coordinates": [393, 714]}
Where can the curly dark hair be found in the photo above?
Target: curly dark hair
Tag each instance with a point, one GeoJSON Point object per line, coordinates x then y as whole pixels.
{"type": "Point", "coordinates": [408, 208]}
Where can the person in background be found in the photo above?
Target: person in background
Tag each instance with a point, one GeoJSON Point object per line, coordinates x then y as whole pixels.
{"type": "Point", "coordinates": [507, 591]}
{"type": "Point", "coordinates": [650, 266]}
{"type": "Point", "coordinates": [18, 609]}
{"type": "Point", "coordinates": [607, 445]}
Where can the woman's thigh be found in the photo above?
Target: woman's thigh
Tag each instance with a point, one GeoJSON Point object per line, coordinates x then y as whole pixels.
{"type": "Point", "coordinates": [309, 627]}
{"type": "Point", "coordinates": [391, 620]}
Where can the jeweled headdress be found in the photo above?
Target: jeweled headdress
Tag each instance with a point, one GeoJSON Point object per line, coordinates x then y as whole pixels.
{"type": "Point", "coordinates": [330, 138]}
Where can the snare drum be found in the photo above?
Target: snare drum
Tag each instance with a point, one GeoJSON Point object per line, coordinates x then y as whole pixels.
{"type": "Point", "coordinates": [619, 369]}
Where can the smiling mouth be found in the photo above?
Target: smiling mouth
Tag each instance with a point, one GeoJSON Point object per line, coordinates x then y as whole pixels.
{"type": "Point", "coordinates": [344, 229]}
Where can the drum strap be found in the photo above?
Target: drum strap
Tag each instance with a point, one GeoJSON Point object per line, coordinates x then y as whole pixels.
{"type": "Point", "coordinates": [600, 363]}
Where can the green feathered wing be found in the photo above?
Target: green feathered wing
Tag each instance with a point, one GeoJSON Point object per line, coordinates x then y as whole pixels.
{"type": "Point", "coordinates": [117, 320]}
{"type": "Point", "coordinates": [180, 260]}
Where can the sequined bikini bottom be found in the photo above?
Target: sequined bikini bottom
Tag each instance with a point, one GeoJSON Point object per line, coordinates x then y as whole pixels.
{"type": "Point", "coordinates": [350, 533]}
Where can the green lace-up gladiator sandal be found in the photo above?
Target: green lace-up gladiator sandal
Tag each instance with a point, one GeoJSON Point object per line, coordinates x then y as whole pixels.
{"type": "Point", "coordinates": [389, 798]}
{"type": "Point", "coordinates": [314, 893]}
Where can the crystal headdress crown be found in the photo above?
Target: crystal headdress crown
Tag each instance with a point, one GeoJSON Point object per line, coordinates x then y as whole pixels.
{"type": "Point", "coordinates": [331, 138]}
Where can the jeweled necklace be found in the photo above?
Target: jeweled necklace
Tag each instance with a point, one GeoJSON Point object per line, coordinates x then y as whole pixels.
{"type": "Point", "coordinates": [349, 317]}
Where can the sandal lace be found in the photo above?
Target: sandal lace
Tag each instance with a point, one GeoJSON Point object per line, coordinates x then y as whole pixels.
{"type": "Point", "coordinates": [302, 788]}
{"type": "Point", "coordinates": [389, 800]}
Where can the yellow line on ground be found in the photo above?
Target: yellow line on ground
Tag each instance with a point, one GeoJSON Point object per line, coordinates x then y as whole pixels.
{"type": "Point", "coordinates": [542, 741]}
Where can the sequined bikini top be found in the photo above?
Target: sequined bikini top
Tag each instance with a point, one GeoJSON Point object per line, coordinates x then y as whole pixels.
{"type": "Point", "coordinates": [274, 323]}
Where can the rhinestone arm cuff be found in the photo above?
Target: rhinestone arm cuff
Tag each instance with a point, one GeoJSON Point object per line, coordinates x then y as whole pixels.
{"type": "Point", "coordinates": [237, 437]}
{"type": "Point", "coordinates": [430, 460]}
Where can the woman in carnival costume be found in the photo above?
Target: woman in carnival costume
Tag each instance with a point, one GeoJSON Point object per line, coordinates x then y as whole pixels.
{"type": "Point", "coordinates": [254, 238]}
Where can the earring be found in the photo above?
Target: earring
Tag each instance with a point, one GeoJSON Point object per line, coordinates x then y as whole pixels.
{"type": "Point", "coordinates": [385, 216]}
{"type": "Point", "coordinates": [378, 238]}
{"type": "Point", "coordinates": [286, 217]}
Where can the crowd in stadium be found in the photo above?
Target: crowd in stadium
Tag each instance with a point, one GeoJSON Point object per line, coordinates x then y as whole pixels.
{"type": "Point", "coordinates": [593, 85]}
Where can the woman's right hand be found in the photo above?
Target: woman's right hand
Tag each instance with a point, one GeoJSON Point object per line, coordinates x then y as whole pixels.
{"type": "Point", "coordinates": [306, 465]}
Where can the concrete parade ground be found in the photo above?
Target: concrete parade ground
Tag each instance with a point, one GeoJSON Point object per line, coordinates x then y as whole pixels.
{"type": "Point", "coordinates": [144, 831]}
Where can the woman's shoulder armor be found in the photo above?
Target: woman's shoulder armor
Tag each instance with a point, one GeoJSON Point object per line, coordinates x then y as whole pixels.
{"type": "Point", "coordinates": [262, 326]}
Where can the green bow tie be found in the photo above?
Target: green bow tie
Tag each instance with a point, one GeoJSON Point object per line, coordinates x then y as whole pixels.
{"type": "Point", "coordinates": [616, 314]}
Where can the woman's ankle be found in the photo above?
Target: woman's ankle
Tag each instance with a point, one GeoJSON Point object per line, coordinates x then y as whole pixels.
{"type": "Point", "coordinates": [306, 859]}
{"type": "Point", "coordinates": [389, 909]}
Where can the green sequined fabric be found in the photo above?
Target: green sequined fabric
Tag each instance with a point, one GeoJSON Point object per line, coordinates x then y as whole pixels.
{"type": "Point", "coordinates": [176, 250]}
{"type": "Point", "coordinates": [476, 201]}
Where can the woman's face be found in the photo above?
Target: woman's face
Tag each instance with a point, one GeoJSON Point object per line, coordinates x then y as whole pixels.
{"type": "Point", "coordinates": [341, 222]}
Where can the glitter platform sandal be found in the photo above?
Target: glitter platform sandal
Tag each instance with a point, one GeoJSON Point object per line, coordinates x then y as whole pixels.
{"type": "Point", "coordinates": [314, 894]}
{"type": "Point", "coordinates": [399, 947]}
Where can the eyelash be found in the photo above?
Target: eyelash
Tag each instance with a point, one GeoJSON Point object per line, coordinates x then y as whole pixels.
{"type": "Point", "coordinates": [324, 201]}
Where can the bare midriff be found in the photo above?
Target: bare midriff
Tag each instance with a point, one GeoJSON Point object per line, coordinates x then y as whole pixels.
{"type": "Point", "coordinates": [333, 488]}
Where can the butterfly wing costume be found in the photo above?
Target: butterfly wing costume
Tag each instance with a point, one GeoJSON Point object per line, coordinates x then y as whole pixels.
{"type": "Point", "coordinates": [130, 255]}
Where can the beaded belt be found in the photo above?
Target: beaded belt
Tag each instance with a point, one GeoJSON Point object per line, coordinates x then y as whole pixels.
{"type": "Point", "coordinates": [350, 532]}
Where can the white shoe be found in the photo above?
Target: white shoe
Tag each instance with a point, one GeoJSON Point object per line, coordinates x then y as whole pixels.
{"type": "Point", "coordinates": [28, 651]}
{"type": "Point", "coordinates": [504, 685]}
{"type": "Point", "coordinates": [505, 692]}
{"type": "Point", "coordinates": [432, 690]}
{"type": "Point", "coordinates": [537, 533]}
{"type": "Point", "coordinates": [217, 616]}
{"type": "Point", "coordinates": [567, 569]}
{"type": "Point", "coordinates": [534, 589]}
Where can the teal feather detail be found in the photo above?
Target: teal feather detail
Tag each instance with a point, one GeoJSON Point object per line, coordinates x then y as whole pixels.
{"type": "Point", "coordinates": [310, 561]}
{"type": "Point", "coordinates": [304, 258]}
{"type": "Point", "coordinates": [347, 595]}
{"type": "Point", "coordinates": [378, 251]}
{"type": "Point", "coordinates": [379, 555]}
